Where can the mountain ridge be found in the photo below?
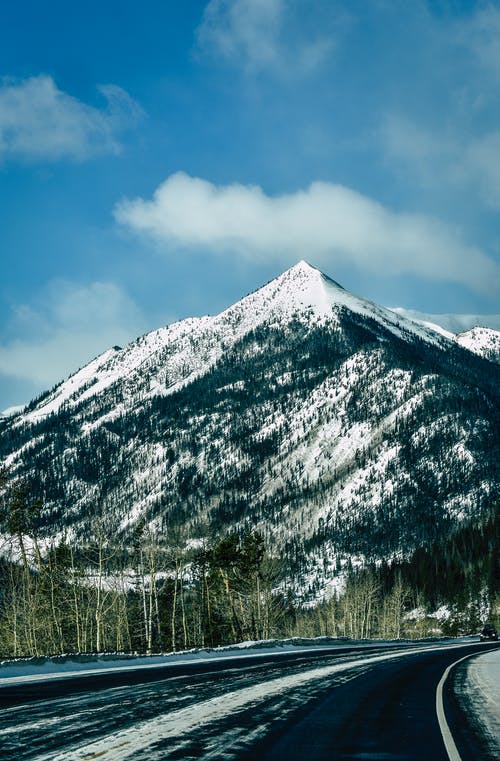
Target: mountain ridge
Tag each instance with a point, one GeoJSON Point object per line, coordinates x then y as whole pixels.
{"type": "Point", "coordinates": [334, 426]}
{"type": "Point", "coordinates": [301, 286]}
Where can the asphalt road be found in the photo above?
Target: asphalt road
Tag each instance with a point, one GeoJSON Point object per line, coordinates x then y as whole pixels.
{"type": "Point", "coordinates": [377, 703]}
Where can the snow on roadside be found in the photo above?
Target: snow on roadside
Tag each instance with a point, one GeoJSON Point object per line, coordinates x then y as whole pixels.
{"type": "Point", "coordinates": [39, 669]}
{"type": "Point", "coordinates": [483, 686]}
{"type": "Point", "coordinates": [36, 669]}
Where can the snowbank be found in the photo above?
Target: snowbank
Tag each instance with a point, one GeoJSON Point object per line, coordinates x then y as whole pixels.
{"type": "Point", "coordinates": [483, 684]}
{"type": "Point", "coordinates": [22, 670]}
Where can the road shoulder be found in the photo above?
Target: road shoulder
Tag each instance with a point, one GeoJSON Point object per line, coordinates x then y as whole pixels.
{"type": "Point", "coordinates": [474, 705]}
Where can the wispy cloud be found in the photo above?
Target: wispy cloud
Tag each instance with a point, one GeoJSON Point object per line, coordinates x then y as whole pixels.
{"type": "Point", "coordinates": [446, 158]}
{"type": "Point", "coordinates": [266, 35]}
{"type": "Point", "coordinates": [453, 143]}
{"type": "Point", "coordinates": [480, 34]}
{"type": "Point", "coordinates": [39, 122]}
{"type": "Point", "coordinates": [68, 327]}
{"type": "Point", "coordinates": [325, 222]}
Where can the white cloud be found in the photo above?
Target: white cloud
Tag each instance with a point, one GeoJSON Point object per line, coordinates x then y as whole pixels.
{"type": "Point", "coordinates": [12, 410]}
{"type": "Point", "coordinates": [39, 122]}
{"type": "Point", "coordinates": [70, 326]}
{"type": "Point", "coordinates": [326, 223]}
{"type": "Point", "coordinates": [243, 29]}
{"type": "Point", "coordinates": [263, 35]}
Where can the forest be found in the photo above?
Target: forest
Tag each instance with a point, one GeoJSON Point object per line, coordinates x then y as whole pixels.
{"type": "Point", "coordinates": [164, 593]}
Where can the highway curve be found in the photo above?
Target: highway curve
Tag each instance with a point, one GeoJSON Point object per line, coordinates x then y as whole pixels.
{"type": "Point", "coordinates": [322, 704]}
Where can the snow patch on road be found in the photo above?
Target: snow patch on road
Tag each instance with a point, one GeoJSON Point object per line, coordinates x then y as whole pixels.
{"type": "Point", "coordinates": [167, 733]}
{"type": "Point", "coordinates": [140, 740]}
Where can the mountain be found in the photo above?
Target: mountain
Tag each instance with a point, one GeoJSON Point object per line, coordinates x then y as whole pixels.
{"type": "Point", "coordinates": [482, 341]}
{"type": "Point", "coordinates": [479, 339]}
{"type": "Point", "coordinates": [12, 411]}
{"type": "Point", "coordinates": [340, 429]}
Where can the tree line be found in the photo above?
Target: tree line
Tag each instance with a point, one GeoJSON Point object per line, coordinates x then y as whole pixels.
{"type": "Point", "coordinates": [162, 592]}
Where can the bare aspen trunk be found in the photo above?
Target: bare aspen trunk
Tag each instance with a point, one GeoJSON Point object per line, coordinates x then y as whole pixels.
{"type": "Point", "coordinates": [143, 594]}
{"type": "Point", "coordinates": [183, 609]}
{"type": "Point", "coordinates": [28, 601]}
{"type": "Point", "coordinates": [158, 622]}
{"type": "Point", "coordinates": [125, 613]}
{"type": "Point", "coordinates": [225, 578]}
{"type": "Point", "coordinates": [98, 607]}
{"type": "Point", "coordinates": [209, 611]}
{"type": "Point", "coordinates": [174, 608]}
{"type": "Point", "coordinates": [38, 555]}
{"type": "Point", "coordinates": [55, 615]}
{"type": "Point", "coordinates": [201, 612]}
{"type": "Point", "coordinates": [259, 610]}
{"type": "Point", "coordinates": [76, 605]}
{"type": "Point", "coordinates": [149, 628]}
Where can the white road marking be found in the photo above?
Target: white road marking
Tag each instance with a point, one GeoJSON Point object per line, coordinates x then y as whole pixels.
{"type": "Point", "coordinates": [449, 742]}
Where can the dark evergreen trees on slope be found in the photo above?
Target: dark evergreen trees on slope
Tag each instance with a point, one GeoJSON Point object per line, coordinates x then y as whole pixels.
{"type": "Point", "coordinates": [252, 442]}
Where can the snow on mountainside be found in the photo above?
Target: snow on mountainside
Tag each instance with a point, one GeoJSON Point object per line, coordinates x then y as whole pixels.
{"type": "Point", "coordinates": [482, 341]}
{"type": "Point", "coordinates": [186, 349]}
{"type": "Point", "coordinates": [337, 427]}
{"type": "Point", "coordinates": [10, 411]}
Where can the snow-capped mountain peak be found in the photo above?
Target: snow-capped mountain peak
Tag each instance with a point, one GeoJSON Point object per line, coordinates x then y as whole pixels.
{"type": "Point", "coordinates": [482, 341]}
{"type": "Point", "coordinates": [304, 288]}
{"type": "Point", "coordinates": [159, 362]}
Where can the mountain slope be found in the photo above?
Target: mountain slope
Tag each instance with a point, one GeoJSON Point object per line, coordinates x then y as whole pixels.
{"type": "Point", "coordinates": [482, 341]}
{"type": "Point", "coordinates": [337, 427]}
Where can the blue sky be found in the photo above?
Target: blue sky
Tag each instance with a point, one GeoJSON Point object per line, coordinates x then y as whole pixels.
{"type": "Point", "coordinates": [160, 160]}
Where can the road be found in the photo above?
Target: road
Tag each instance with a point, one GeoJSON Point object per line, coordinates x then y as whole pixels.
{"type": "Point", "coordinates": [319, 705]}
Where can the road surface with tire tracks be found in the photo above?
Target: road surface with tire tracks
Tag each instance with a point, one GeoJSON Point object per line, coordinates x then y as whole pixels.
{"type": "Point", "coordinates": [319, 704]}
